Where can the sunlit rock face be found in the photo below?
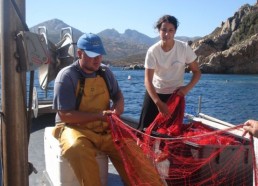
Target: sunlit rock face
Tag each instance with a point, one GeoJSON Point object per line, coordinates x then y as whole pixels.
{"type": "Point", "coordinates": [233, 47]}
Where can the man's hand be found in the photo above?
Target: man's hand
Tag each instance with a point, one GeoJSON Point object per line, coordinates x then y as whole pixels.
{"type": "Point", "coordinates": [251, 126]}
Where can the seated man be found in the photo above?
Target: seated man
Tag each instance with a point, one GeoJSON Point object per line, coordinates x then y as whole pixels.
{"type": "Point", "coordinates": [82, 94]}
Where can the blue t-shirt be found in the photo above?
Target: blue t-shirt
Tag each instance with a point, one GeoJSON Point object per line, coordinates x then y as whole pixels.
{"type": "Point", "coordinates": [66, 84]}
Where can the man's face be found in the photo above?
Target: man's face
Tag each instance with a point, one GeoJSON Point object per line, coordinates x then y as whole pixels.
{"type": "Point", "coordinates": [88, 64]}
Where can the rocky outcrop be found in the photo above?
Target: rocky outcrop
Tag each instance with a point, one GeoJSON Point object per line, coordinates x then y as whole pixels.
{"type": "Point", "coordinates": [134, 67]}
{"type": "Point", "coordinates": [233, 47]}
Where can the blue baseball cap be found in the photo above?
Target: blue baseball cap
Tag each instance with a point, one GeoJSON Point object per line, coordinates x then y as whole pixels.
{"type": "Point", "coordinates": [91, 44]}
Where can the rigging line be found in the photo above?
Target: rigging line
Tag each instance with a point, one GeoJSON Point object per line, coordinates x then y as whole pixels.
{"type": "Point", "coordinates": [29, 114]}
{"type": "Point", "coordinates": [28, 106]}
{"type": "Point", "coordinates": [254, 160]}
{"type": "Point", "coordinates": [1, 142]}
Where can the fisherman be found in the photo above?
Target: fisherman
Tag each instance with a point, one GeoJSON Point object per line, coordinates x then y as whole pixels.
{"type": "Point", "coordinates": [82, 94]}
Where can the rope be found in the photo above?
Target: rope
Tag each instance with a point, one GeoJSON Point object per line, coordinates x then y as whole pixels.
{"type": "Point", "coordinates": [1, 142]}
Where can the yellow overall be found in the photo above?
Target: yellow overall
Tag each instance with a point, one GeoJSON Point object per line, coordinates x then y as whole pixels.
{"type": "Point", "coordinates": [80, 144]}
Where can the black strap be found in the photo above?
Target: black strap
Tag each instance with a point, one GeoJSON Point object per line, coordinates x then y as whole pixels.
{"type": "Point", "coordinates": [80, 93]}
{"type": "Point", "coordinates": [100, 72]}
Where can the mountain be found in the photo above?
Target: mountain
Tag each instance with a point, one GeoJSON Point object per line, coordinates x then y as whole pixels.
{"type": "Point", "coordinates": [54, 28]}
{"type": "Point", "coordinates": [129, 36]}
{"type": "Point", "coordinates": [129, 47]}
{"type": "Point", "coordinates": [231, 48]}
{"type": "Point", "coordinates": [120, 46]}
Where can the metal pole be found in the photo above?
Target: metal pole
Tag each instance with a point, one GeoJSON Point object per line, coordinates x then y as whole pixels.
{"type": "Point", "coordinates": [14, 126]}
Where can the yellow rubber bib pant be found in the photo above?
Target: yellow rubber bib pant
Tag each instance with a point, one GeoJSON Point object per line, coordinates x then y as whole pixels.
{"type": "Point", "coordinates": [81, 143]}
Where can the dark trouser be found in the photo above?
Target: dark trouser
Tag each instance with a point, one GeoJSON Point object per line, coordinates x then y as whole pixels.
{"type": "Point", "coordinates": [150, 110]}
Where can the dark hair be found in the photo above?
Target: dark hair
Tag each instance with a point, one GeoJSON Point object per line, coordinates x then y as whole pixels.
{"type": "Point", "coordinates": [166, 19]}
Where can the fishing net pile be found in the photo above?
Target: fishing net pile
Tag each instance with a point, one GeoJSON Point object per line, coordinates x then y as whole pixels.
{"type": "Point", "coordinates": [171, 152]}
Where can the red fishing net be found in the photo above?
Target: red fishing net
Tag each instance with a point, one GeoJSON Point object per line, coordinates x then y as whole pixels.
{"type": "Point", "coordinates": [172, 153]}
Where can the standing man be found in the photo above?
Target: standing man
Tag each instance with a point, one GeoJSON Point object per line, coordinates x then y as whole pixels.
{"type": "Point", "coordinates": [82, 94]}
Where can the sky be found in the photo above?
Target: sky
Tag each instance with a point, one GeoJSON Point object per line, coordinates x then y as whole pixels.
{"type": "Point", "coordinates": [196, 17]}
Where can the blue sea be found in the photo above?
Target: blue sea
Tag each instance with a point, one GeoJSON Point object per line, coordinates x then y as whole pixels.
{"type": "Point", "coordinates": [231, 98]}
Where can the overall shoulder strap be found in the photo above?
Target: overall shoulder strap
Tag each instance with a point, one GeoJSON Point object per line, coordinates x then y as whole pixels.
{"type": "Point", "coordinates": [102, 73]}
{"type": "Point", "coordinates": [80, 93]}
{"type": "Point", "coordinates": [81, 89]}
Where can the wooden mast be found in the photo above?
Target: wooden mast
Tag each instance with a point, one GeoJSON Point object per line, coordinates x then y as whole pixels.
{"type": "Point", "coordinates": [14, 123]}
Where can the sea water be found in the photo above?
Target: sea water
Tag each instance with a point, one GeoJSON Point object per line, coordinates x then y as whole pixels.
{"type": "Point", "coordinates": [231, 98]}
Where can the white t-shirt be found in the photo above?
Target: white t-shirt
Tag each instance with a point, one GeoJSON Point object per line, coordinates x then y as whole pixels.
{"type": "Point", "coordinates": [169, 67]}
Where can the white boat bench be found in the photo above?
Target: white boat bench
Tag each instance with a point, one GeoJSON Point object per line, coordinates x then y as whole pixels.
{"type": "Point", "coordinates": [58, 169]}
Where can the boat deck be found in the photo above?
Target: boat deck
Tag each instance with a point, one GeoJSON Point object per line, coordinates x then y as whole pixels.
{"type": "Point", "coordinates": [36, 153]}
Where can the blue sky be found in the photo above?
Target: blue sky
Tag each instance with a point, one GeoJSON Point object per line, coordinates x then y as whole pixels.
{"type": "Point", "coordinates": [196, 17]}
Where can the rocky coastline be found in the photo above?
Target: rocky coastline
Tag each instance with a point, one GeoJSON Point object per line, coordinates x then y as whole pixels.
{"type": "Point", "coordinates": [232, 48]}
{"type": "Point", "coordinates": [134, 67]}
